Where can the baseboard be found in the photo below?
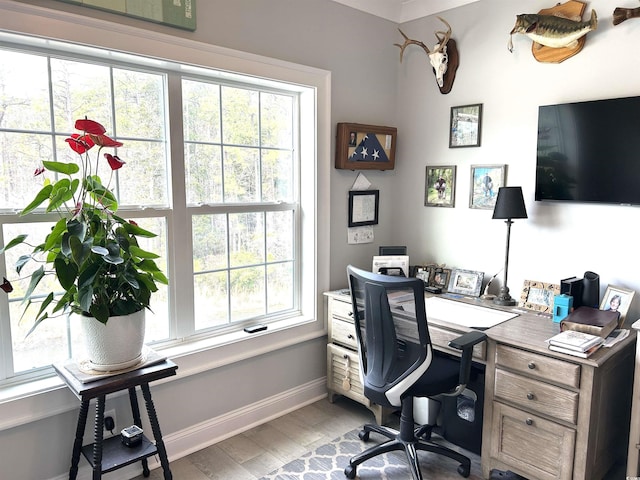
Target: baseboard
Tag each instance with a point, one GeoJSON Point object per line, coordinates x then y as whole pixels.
{"type": "Point", "coordinates": [182, 443]}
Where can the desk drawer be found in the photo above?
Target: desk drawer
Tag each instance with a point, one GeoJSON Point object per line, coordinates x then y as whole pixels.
{"type": "Point", "coordinates": [540, 448]}
{"type": "Point", "coordinates": [538, 396]}
{"type": "Point", "coordinates": [340, 309]}
{"type": "Point", "coordinates": [539, 366]}
{"type": "Point", "coordinates": [343, 333]}
{"type": "Point", "coordinates": [440, 337]}
{"type": "Point", "coordinates": [343, 364]}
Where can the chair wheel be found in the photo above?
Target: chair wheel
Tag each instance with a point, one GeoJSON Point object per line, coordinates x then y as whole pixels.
{"type": "Point", "coordinates": [350, 471]}
{"type": "Point", "coordinates": [364, 436]}
{"type": "Point", "coordinates": [463, 470]}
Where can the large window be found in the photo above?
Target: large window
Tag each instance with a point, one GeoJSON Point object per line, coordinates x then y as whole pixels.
{"type": "Point", "coordinates": [213, 164]}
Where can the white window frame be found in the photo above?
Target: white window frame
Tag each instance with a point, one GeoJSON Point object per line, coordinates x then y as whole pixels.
{"type": "Point", "coordinates": [48, 396]}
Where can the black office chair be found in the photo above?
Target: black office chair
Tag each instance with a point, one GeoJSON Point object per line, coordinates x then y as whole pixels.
{"type": "Point", "coordinates": [397, 363]}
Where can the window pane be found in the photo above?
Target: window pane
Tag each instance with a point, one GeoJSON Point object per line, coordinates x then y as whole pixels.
{"type": "Point", "coordinates": [201, 110]}
{"type": "Point", "coordinates": [246, 239]}
{"type": "Point", "coordinates": [241, 175]}
{"type": "Point", "coordinates": [143, 179]}
{"type": "Point", "coordinates": [209, 242]}
{"type": "Point", "coordinates": [211, 300]}
{"type": "Point", "coordinates": [280, 287]}
{"type": "Point", "coordinates": [279, 236]}
{"type": "Point", "coordinates": [24, 92]}
{"type": "Point", "coordinates": [80, 90]}
{"type": "Point", "coordinates": [203, 164]}
{"type": "Point", "coordinates": [277, 176]}
{"type": "Point", "coordinates": [247, 293]}
{"type": "Point", "coordinates": [240, 117]}
{"type": "Point", "coordinates": [139, 104]}
{"type": "Point", "coordinates": [20, 155]}
{"type": "Point", "coordinates": [276, 114]}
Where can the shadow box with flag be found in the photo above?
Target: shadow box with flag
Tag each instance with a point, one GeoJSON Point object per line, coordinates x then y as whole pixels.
{"type": "Point", "coordinates": [365, 147]}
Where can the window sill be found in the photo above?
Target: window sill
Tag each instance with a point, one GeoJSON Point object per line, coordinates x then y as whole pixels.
{"type": "Point", "coordinates": [45, 397]}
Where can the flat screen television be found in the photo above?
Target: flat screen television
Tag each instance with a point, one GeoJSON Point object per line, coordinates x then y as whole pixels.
{"type": "Point", "coordinates": [589, 152]}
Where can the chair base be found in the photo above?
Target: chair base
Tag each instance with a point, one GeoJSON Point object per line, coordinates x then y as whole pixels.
{"type": "Point", "coordinates": [418, 441]}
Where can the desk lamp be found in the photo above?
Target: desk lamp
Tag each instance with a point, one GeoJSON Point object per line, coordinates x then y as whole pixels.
{"type": "Point", "coordinates": [509, 205]}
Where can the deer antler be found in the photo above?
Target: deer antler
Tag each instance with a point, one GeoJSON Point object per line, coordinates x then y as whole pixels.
{"type": "Point", "coordinates": [442, 40]}
{"type": "Point", "coordinates": [407, 42]}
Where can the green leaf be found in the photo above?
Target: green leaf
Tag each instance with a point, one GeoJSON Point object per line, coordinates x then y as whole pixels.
{"type": "Point", "coordinates": [67, 272]}
{"type": "Point", "coordinates": [58, 194]}
{"type": "Point", "coordinates": [136, 230]}
{"type": "Point", "coordinates": [114, 257]}
{"type": "Point", "coordinates": [99, 250]}
{"type": "Point", "coordinates": [66, 168]}
{"type": "Point", "coordinates": [105, 197]}
{"type": "Point", "coordinates": [36, 323]}
{"type": "Point", "coordinates": [54, 237]}
{"type": "Point", "coordinates": [85, 297]}
{"type": "Point", "coordinates": [22, 261]}
{"type": "Point", "coordinates": [16, 241]}
{"type": "Point", "coordinates": [36, 276]}
{"type": "Point", "coordinates": [140, 253]}
{"type": "Point", "coordinates": [87, 275]}
{"type": "Point", "coordinates": [36, 202]}
{"type": "Point", "coordinates": [77, 229]}
{"type": "Point", "coordinates": [80, 251]}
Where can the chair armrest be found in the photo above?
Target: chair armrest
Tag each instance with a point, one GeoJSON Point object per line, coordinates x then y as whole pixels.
{"type": "Point", "coordinates": [465, 343]}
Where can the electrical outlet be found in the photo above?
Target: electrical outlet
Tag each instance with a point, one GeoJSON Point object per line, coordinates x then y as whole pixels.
{"type": "Point", "coordinates": [111, 414]}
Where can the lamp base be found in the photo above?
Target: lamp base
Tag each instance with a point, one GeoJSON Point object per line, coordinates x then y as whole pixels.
{"type": "Point", "coordinates": [504, 298]}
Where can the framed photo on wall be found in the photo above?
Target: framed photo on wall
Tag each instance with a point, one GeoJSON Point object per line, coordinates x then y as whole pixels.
{"type": "Point", "coordinates": [440, 186]}
{"type": "Point", "coordinates": [365, 147]}
{"type": "Point", "coordinates": [617, 299]}
{"type": "Point", "coordinates": [466, 126]}
{"type": "Point", "coordinates": [363, 207]}
{"type": "Point", "coordinates": [484, 184]}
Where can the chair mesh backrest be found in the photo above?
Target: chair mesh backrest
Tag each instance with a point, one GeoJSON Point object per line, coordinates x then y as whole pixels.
{"type": "Point", "coordinates": [391, 328]}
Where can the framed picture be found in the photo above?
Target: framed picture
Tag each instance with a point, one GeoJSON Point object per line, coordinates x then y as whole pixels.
{"type": "Point", "coordinates": [538, 296]}
{"type": "Point", "coordinates": [363, 207]}
{"type": "Point", "coordinates": [617, 299]}
{"type": "Point", "coordinates": [423, 273]}
{"type": "Point", "coordinates": [365, 147]}
{"type": "Point", "coordinates": [484, 184]}
{"type": "Point", "coordinates": [465, 282]}
{"type": "Point", "coordinates": [440, 186]}
{"type": "Point", "coordinates": [466, 126]}
{"type": "Point", "coordinates": [439, 276]}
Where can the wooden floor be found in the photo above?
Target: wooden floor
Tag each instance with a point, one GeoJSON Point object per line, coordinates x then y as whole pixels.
{"type": "Point", "coordinates": [252, 454]}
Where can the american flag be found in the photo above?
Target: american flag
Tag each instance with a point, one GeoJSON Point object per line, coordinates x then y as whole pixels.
{"type": "Point", "coordinates": [369, 150]}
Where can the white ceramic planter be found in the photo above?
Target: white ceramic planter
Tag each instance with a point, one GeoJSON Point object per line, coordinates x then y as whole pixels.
{"type": "Point", "coordinates": [115, 345]}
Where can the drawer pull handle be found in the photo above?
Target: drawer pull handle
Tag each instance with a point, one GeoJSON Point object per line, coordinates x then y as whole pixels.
{"type": "Point", "coordinates": [530, 396]}
{"type": "Point", "coordinates": [350, 337]}
{"type": "Point", "coordinates": [531, 365]}
{"type": "Point", "coordinates": [346, 383]}
{"type": "Point", "coordinates": [529, 421]}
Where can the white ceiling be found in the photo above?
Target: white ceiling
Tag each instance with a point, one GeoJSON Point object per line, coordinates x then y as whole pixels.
{"type": "Point", "coordinates": [401, 11]}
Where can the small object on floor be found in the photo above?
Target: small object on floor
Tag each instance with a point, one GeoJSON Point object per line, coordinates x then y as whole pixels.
{"type": "Point", "coordinates": [496, 474]}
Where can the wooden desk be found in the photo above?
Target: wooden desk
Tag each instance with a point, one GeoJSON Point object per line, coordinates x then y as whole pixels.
{"type": "Point", "coordinates": [108, 455]}
{"type": "Point", "coordinates": [546, 415]}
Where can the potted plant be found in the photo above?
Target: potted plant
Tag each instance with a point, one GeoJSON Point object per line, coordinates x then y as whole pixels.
{"type": "Point", "coordinates": [104, 275]}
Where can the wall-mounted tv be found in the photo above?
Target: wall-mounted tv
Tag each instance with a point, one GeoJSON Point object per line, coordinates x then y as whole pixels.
{"type": "Point", "coordinates": [589, 152]}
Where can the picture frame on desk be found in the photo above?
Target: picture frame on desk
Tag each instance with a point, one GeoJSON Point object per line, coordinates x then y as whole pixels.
{"type": "Point", "coordinates": [621, 298]}
{"type": "Point", "coordinates": [439, 276]}
{"type": "Point", "coordinates": [465, 282]}
{"type": "Point", "coordinates": [538, 296]}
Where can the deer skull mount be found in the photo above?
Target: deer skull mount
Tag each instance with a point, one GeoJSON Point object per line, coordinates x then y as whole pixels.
{"type": "Point", "coordinates": [444, 57]}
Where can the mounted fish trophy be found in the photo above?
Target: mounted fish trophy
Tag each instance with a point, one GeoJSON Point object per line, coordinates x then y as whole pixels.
{"type": "Point", "coordinates": [558, 32]}
{"type": "Point", "coordinates": [444, 58]}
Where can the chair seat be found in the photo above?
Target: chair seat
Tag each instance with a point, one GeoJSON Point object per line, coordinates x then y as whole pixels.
{"type": "Point", "coordinates": [441, 376]}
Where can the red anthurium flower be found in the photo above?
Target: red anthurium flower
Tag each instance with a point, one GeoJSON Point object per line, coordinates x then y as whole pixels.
{"type": "Point", "coordinates": [133, 223]}
{"type": "Point", "coordinates": [80, 143]}
{"type": "Point", "coordinates": [89, 126]}
{"type": "Point", "coordinates": [105, 141]}
{"type": "Point", "coordinates": [114, 161]}
{"type": "Point", "coordinates": [39, 171]}
{"type": "Point", "coordinates": [6, 285]}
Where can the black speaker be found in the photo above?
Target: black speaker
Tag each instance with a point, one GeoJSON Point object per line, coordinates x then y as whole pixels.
{"type": "Point", "coordinates": [591, 290]}
{"type": "Point", "coordinates": [572, 286]}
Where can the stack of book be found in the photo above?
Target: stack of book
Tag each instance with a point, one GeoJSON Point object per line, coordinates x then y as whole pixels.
{"type": "Point", "coordinates": [572, 342]}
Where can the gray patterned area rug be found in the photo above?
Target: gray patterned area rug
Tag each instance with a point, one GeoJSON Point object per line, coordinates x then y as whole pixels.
{"type": "Point", "coordinates": [328, 462]}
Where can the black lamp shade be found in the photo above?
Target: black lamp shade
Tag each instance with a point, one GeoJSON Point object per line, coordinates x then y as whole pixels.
{"type": "Point", "coordinates": [509, 204]}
